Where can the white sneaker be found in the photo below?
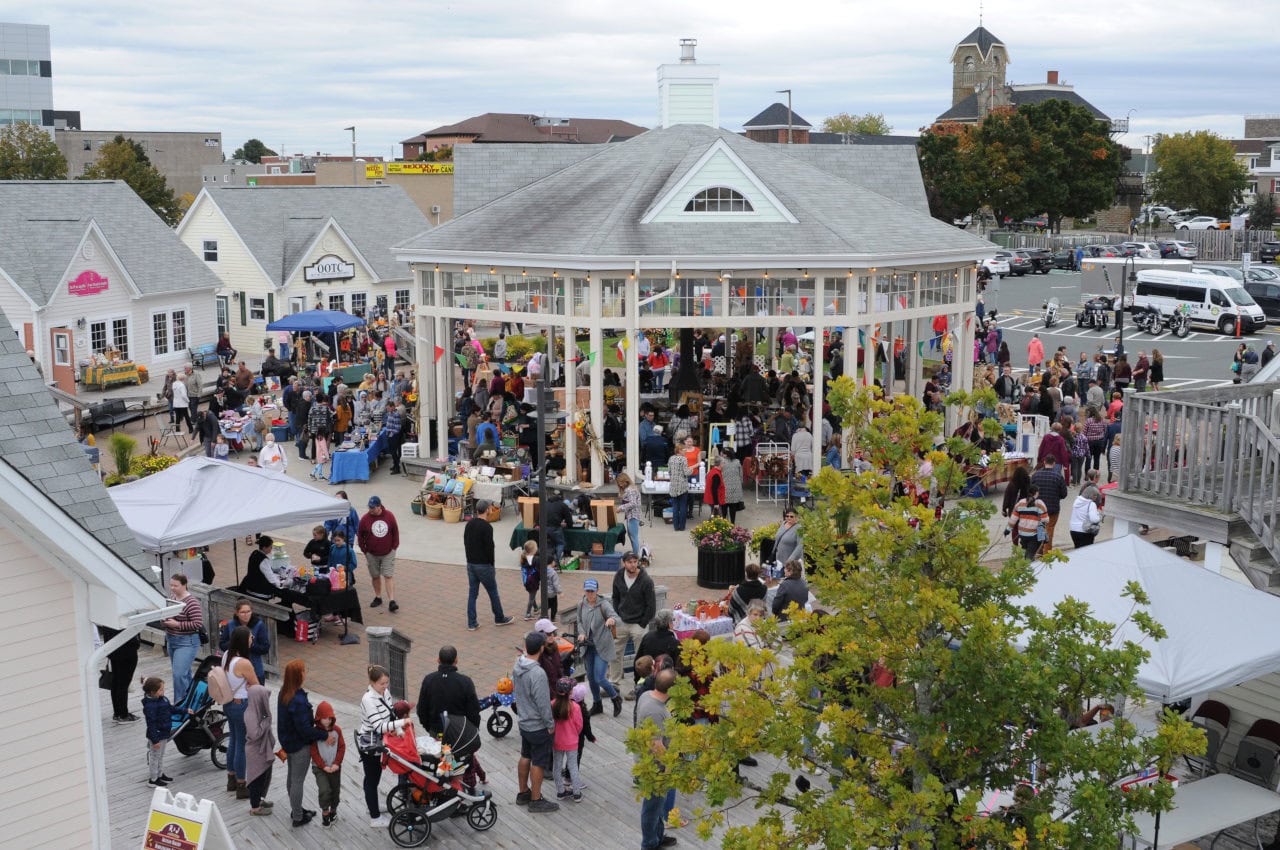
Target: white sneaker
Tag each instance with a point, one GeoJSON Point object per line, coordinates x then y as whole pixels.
{"type": "Point", "coordinates": [380, 822]}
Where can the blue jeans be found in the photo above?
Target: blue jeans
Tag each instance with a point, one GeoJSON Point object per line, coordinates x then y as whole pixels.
{"type": "Point", "coordinates": [598, 675]}
{"type": "Point", "coordinates": [679, 511]}
{"type": "Point", "coordinates": [235, 744]}
{"type": "Point", "coordinates": [182, 654]}
{"type": "Point", "coordinates": [633, 531]}
{"type": "Point", "coordinates": [482, 574]}
{"type": "Point", "coordinates": [555, 536]}
{"type": "Point", "coordinates": [653, 817]}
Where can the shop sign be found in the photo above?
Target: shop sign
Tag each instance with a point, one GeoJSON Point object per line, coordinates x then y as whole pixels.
{"type": "Point", "coordinates": [170, 832]}
{"type": "Point", "coordinates": [329, 267]}
{"type": "Point", "coordinates": [419, 167]}
{"type": "Point", "coordinates": [374, 171]}
{"type": "Point", "coordinates": [87, 283]}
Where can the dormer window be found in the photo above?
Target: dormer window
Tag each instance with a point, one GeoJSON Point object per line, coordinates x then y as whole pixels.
{"type": "Point", "coordinates": [718, 199]}
{"type": "Point", "coordinates": [969, 63]}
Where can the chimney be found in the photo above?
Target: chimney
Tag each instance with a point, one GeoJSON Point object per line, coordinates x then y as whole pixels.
{"type": "Point", "coordinates": [688, 93]}
{"type": "Point", "coordinates": [1053, 78]}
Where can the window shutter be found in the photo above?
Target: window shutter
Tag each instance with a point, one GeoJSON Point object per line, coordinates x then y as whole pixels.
{"type": "Point", "coordinates": [244, 309]}
{"type": "Point", "coordinates": [271, 307]}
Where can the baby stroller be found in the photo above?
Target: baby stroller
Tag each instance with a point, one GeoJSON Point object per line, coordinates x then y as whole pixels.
{"type": "Point", "coordinates": [500, 722]}
{"type": "Point", "coordinates": [198, 724]}
{"type": "Point", "coordinates": [434, 790]}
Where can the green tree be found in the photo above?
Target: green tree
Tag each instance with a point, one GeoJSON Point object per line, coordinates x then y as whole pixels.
{"type": "Point", "coordinates": [29, 153]}
{"type": "Point", "coordinates": [869, 124]}
{"type": "Point", "coordinates": [952, 181]}
{"type": "Point", "coordinates": [1004, 157]}
{"type": "Point", "coordinates": [983, 689]}
{"type": "Point", "coordinates": [253, 151]}
{"type": "Point", "coordinates": [1198, 170]}
{"type": "Point", "coordinates": [1074, 164]}
{"type": "Point", "coordinates": [1262, 215]}
{"type": "Point", "coordinates": [124, 159]}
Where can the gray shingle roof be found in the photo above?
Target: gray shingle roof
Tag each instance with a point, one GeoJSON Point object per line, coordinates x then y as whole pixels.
{"type": "Point", "coordinates": [43, 221]}
{"type": "Point", "coordinates": [775, 115]}
{"type": "Point", "coordinates": [483, 173]}
{"type": "Point", "coordinates": [982, 38]}
{"type": "Point", "coordinates": [860, 139]}
{"type": "Point", "coordinates": [278, 223]}
{"type": "Point", "coordinates": [594, 207]}
{"type": "Point", "coordinates": [35, 441]}
{"type": "Point", "coordinates": [967, 109]}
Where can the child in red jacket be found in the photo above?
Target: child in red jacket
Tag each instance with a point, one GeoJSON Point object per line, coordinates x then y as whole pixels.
{"type": "Point", "coordinates": [326, 762]}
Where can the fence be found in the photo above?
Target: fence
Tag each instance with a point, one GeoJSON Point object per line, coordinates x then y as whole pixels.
{"type": "Point", "coordinates": [1049, 241]}
{"type": "Point", "coordinates": [1211, 245]}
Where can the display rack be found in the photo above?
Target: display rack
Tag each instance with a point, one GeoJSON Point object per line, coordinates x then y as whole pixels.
{"type": "Point", "coordinates": [773, 477]}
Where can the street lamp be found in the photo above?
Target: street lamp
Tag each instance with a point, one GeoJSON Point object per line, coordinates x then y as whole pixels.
{"type": "Point", "coordinates": [1128, 275]}
{"type": "Point", "coordinates": [355, 174]}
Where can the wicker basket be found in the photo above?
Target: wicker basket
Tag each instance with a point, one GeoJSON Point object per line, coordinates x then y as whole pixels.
{"type": "Point", "coordinates": [453, 509]}
{"type": "Point", "coordinates": [435, 510]}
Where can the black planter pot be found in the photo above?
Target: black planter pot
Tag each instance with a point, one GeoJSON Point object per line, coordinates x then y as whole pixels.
{"type": "Point", "coordinates": [718, 570]}
{"type": "Point", "coordinates": [766, 551]}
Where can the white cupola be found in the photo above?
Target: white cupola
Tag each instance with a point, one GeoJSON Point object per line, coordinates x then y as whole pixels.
{"type": "Point", "coordinates": [688, 93]}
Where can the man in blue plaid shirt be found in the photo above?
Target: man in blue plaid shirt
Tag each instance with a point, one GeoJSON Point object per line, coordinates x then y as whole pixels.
{"type": "Point", "coordinates": [391, 431]}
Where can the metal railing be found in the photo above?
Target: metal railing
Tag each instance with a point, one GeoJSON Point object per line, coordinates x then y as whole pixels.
{"type": "Point", "coordinates": [1215, 449]}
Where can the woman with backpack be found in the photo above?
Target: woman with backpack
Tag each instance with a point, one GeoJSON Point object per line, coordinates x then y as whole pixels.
{"type": "Point", "coordinates": [1029, 518]}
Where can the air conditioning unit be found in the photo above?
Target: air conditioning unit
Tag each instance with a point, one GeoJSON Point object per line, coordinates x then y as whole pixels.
{"type": "Point", "coordinates": [435, 209]}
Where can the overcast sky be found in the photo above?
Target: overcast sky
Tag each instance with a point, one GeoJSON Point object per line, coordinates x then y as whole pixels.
{"type": "Point", "coordinates": [294, 74]}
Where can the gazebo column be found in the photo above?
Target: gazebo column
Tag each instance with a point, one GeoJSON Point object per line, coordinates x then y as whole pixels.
{"type": "Point", "coordinates": [815, 414]}
{"type": "Point", "coordinates": [631, 369]}
{"type": "Point", "coordinates": [442, 369]}
{"type": "Point", "coordinates": [425, 332]}
{"type": "Point", "coordinates": [570, 371]}
{"type": "Point", "coordinates": [912, 361]}
{"type": "Point", "coordinates": [595, 309]}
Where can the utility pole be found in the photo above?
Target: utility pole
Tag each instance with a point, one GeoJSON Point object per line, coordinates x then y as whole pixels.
{"type": "Point", "coordinates": [541, 431]}
{"type": "Point", "coordinates": [790, 119]}
{"type": "Point", "coordinates": [355, 172]}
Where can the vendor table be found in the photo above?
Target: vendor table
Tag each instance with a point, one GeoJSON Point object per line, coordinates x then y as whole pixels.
{"type": "Point", "coordinates": [354, 464]}
{"type": "Point", "coordinates": [1206, 807]}
{"type": "Point", "coordinates": [344, 603]}
{"type": "Point", "coordinates": [649, 489]}
{"type": "Point", "coordinates": [714, 627]}
{"type": "Point", "coordinates": [103, 377]}
{"type": "Point", "coordinates": [233, 430]}
{"type": "Point", "coordinates": [498, 492]}
{"type": "Point", "coordinates": [575, 539]}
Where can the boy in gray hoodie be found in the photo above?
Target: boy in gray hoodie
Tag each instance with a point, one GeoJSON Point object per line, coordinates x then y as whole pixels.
{"type": "Point", "coordinates": [537, 726]}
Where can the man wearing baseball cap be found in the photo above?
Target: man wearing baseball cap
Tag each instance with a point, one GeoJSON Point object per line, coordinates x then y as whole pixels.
{"type": "Point", "coordinates": [537, 726]}
{"type": "Point", "coordinates": [379, 538]}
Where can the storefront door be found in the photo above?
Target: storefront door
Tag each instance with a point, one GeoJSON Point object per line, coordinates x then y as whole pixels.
{"type": "Point", "coordinates": [223, 308]}
{"type": "Point", "coordinates": [64, 360]}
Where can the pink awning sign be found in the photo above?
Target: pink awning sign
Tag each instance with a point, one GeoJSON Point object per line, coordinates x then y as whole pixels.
{"type": "Point", "coordinates": [87, 283]}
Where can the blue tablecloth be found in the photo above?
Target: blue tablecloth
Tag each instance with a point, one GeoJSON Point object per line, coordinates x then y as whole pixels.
{"type": "Point", "coordinates": [349, 466]}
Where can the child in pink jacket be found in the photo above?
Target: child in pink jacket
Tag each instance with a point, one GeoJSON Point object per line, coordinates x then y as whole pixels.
{"type": "Point", "coordinates": [568, 717]}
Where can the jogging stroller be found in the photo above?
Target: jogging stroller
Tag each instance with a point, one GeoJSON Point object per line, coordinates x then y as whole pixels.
{"type": "Point", "coordinates": [500, 722]}
{"type": "Point", "coordinates": [198, 724]}
{"type": "Point", "coordinates": [434, 790]}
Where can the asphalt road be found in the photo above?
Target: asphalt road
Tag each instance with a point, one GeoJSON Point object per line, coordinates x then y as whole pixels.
{"type": "Point", "coordinates": [1201, 359]}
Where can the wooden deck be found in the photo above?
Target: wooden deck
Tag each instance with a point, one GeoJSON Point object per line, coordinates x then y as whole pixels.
{"type": "Point", "coordinates": [607, 817]}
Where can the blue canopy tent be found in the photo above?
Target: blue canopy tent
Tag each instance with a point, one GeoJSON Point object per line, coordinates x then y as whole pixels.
{"type": "Point", "coordinates": [318, 321]}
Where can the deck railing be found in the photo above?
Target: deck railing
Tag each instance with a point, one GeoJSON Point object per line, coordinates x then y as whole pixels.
{"type": "Point", "coordinates": [1215, 449]}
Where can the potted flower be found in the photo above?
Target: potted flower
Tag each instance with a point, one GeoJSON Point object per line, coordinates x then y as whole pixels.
{"type": "Point", "coordinates": [722, 552]}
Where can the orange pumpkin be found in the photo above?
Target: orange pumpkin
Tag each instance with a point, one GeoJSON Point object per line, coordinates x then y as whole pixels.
{"type": "Point", "coordinates": [504, 685]}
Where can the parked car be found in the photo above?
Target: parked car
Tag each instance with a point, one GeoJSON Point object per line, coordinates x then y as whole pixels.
{"type": "Point", "coordinates": [1065, 259]}
{"type": "Point", "coordinates": [1124, 249]}
{"type": "Point", "coordinates": [1182, 215]}
{"type": "Point", "coordinates": [996, 266]}
{"type": "Point", "coordinates": [1267, 294]}
{"type": "Point", "coordinates": [1146, 250]}
{"type": "Point", "coordinates": [962, 222]}
{"type": "Point", "coordinates": [1041, 260]}
{"type": "Point", "coordinates": [1219, 271]}
{"type": "Point", "coordinates": [1159, 212]}
{"type": "Point", "coordinates": [1262, 274]}
{"type": "Point", "coordinates": [1269, 252]}
{"type": "Point", "coordinates": [1100, 251]}
{"type": "Point", "coordinates": [1203, 222]}
{"type": "Point", "coordinates": [1177, 249]}
{"type": "Point", "coordinates": [1017, 265]}
{"type": "Point", "coordinates": [1037, 222]}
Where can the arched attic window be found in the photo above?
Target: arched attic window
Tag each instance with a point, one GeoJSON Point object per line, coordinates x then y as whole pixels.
{"type": "Point", "coordinates": [968, 63]}
{"type": "Point", "coordinates": [718, 199]}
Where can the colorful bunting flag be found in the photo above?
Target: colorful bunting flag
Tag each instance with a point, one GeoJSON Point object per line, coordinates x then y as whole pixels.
{"type": "Point", "coordinates": [591, 358]}
{"type": "Point", "coordinates": [462, 360]}
{"type": "Point", "coordinates": [439, 354]}
{"type": "Point", "coordinates": [804, 302]}
{"type": "Point", "coordinates": [626, 343]}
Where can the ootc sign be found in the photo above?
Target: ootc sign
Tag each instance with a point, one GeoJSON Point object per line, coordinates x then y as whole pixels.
{"type": "Point", "coordinates": [329, 267]}
{"type": "Point", "coordinates": [87, 283]}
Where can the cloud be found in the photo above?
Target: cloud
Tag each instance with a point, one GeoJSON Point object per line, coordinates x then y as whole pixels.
{"type": "Point", "coordinates": [297, 73]}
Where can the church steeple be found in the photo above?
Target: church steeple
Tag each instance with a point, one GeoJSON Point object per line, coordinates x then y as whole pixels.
{"type": "Point", "coordinates": [978, 66]}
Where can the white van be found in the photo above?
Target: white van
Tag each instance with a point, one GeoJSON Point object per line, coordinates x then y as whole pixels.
{"type": "Point", "coordinates": [1216, 301]}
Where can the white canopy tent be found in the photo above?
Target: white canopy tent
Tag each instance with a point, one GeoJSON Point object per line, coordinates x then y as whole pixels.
{"type": "Point", "coordinates": [1220, 632]}
{"type": "Point", "coordinates": [200, 501]}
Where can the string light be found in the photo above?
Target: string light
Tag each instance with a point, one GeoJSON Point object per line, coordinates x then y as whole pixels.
{"type": "Point", "coordinates": [524, 272]}
{"type": "Point", "coordinates": [466, 269]}
{"type": "Point", "coordinates": [766, 274]}
{"type": "Point", "coordinates": [492, 270]}
{"type": "Point", "coordinates": [555, 273]}
{"type": "Point", "coordinates": [806, 274]}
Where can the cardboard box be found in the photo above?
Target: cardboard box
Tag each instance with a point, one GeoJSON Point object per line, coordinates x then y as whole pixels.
{"type": "Point", "coordinates": [528, 510]}
{"type": "Point", "coordinates": [604, 513]}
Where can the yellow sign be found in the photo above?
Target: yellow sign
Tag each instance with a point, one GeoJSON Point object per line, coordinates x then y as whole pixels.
{"type": "Point", "coordinates": [419, 167]}
{"type": "Point", "coordinates": [374, 170]}
{"type": "Point", "coordinates": [170, 832]}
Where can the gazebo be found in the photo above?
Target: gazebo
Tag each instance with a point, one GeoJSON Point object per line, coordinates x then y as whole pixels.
{"type": "Point", "coordinates": [692, 226]}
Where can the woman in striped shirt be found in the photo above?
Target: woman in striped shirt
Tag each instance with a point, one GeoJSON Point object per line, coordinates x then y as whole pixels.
{"type": "Point", "coordinates": [1027, 515]}
{"type": "Point", "coordinates": [182, 635]}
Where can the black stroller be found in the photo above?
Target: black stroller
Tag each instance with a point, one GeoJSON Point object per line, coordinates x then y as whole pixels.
{"type": "Point", "coordinates": [198, 724]}
{"type": "Point", "coordinates": [432, 789]}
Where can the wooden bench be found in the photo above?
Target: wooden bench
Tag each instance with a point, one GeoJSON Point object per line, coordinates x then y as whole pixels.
{"type": "Point", "coordinates": [205, 355]}
{"type": "Point", "coordinates": [220, 604]}
{"type": "Point", "coordinates": [112, 413]}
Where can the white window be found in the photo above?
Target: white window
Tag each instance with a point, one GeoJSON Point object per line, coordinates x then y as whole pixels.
{"type": "Point", "coordinates": [258, 309]}
{"type": "Point", "coordinates": [226, 178]}
{"type": "Point", "coordinates": [359, 300]}
{"type": "Point", "coordinates": [168, 332]}
{"type": "Point", "coordinates": [211, 250]}
{"type": "Point", "coordinates": [62, 349]}
{"type": "Point", "coordinates": [97, 337]}
{"type": "Point", "coordinates": [402, 298]}
{"type": "Point", "coordinates": [718, 199]}
{"type": "Point", "coordinates": [337, 302]}
{"type": "Point", "coordinates": [120, 336]}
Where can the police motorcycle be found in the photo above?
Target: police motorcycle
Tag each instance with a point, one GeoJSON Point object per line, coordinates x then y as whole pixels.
{"type": "Point", "coordinates": [1051, 312]}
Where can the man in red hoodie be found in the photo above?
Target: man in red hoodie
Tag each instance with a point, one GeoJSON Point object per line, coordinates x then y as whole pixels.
{"type": "Point", "coordinates": [326, 762]}
{"type": "Point", "coordinates": [379, 538]}
{"type": "Point", "coordinates": [1055, 444]}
